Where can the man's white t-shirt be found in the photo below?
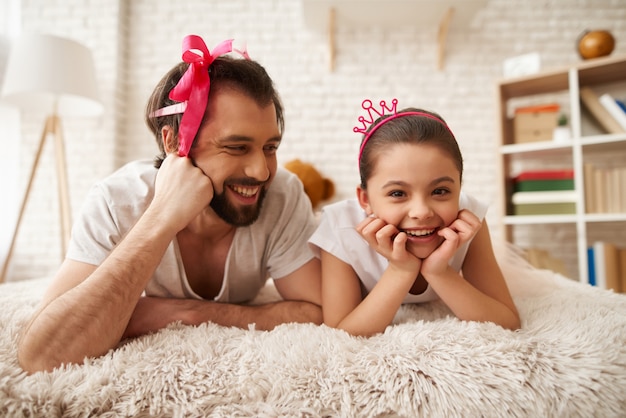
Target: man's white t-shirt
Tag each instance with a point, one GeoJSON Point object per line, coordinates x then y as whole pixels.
{"type": "Point", "coordinates": [273, 246]}
{"type": "Point", "coordinates": [337, 235]}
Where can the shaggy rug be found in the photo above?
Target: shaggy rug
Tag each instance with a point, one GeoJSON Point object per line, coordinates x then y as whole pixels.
{"type": "Point", "coordinates": [568, 360]}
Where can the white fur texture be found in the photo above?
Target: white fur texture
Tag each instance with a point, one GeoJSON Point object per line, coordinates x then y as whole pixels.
{"type": "Point", "coordinates": [568, 360]}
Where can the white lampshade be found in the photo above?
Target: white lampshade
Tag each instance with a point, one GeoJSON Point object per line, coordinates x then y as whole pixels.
{"type": "Point", "coordinates": [51, 74]}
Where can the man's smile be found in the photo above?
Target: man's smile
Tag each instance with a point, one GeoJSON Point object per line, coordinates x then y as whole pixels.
{"type": "Point", "coordinates": [245, 191]}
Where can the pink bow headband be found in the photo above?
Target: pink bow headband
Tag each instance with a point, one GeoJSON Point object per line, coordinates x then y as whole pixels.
{"type": "Point", "coordinates": [367, 123]}
{"type": "Point", "coordinates": [192, 90]}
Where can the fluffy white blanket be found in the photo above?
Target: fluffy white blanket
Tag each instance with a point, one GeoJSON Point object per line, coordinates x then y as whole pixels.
{"type": "Point", "coordinates": [568, 360]}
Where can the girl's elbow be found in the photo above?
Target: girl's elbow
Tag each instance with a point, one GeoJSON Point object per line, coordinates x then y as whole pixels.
{"type": "Point", "coordinates": [356, 332]}
{"type": "Point", "coordinates": [513, 323]}
{"type": "Point", "coordinates": [331, 323]}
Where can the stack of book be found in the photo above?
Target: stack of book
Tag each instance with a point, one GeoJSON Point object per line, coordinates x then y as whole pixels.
{"type": "Point", "coordinates": [606, 109]}
{"type": "Point", "coordinates": [544, 192]}
{"type": "Point", "coordinates": [607, 266]}
{"type": "Point", "coordinates": [604, 189]}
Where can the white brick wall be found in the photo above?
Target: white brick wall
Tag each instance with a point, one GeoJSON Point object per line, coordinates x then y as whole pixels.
{"type": "Point", "coordinates": [136, 42]}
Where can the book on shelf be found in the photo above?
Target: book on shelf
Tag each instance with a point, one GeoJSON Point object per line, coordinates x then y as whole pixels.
{"type": "Point", "coordinates": [598, 262]}
{"type": "Point", "coordinates": [621, 104]}
{"type": "Point", "coordinates": [611, 267]}
{"type": "Point", "coordinates": [591, 266]}
{"type": "Point", "coordinates": [543, 185]}
{"type": "Point", "coordinates": [614, 109]}
{"type": "Point", "coordinates": [622, 184]}
{"type": "Point", "coordinates": [615, 191]}
{"type": "Point", "coordinates": [542, 180]}
{"type": "Point", "coordinates": [604, 188]}
{"type": "Point", "coordinates": [606, 262]}
{"type": "Point", "coordinates": [592, 102]}
{"type": "Point", "coordinates": [545, 196]}
{"type": "Point", "coordinates": [622, 269]}
{"type": "Point", "coordinates": [600, 190]}
{"type": "Point", "coordinates": [544, 202]}
{"type": "Point", "coordinates": [607, 266]}
{"type": "Point", "coordinates": [562, 208]}
{"type": "Point", "coordinates": [555, 174]}
{"type": "Point", "coordinates": [590, 195]}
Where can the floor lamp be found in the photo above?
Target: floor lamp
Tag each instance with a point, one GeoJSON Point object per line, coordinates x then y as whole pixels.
{"type": "Point", "coordinates": [53, 76]}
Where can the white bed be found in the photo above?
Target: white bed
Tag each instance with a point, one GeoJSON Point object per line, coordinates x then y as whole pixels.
{"type": "Point", "coordinates": [568, 360]}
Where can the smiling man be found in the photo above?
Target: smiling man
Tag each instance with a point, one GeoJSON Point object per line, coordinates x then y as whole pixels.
{"type": "Point", "coordinates": [192, 236]}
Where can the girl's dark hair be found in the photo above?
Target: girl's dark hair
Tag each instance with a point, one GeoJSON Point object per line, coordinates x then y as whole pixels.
{"type": "Point", "coordinates": [246, 76]}
{"type": "Point", "coordinates": [409, 129]}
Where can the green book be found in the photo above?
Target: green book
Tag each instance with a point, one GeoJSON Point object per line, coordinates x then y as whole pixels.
{"type": "Point", "coordinates": [560, 208]}
{"type": "Point", "coordinates": [541, 185]}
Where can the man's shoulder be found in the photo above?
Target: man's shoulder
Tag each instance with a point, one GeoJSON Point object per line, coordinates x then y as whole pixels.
{"type": "Point", "coordinates": [132, 181]}
{"type": "Point", "coordinates": [143, 170]}
{"type": "Point", "coordinates": [285, 200]}
{"type": "Point", "coordinates": [285, 188]}
{"type": "Point", "coordinates": [284, 179]}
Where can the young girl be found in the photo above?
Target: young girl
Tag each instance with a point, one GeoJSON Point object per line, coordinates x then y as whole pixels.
{"type": "Point", "coordinates": [411, 235]}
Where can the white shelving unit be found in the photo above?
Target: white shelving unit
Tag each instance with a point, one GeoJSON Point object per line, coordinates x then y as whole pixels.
{"type": "Point", "coordinates": [597, 73]}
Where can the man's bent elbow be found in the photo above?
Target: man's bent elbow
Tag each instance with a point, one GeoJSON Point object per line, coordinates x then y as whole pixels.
{"type": "Point", "coordinates": [32, 362]}
{"type": "Point", "coordinates": [33, 358]}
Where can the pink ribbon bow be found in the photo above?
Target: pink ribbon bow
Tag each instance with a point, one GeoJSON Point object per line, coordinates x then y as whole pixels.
{"type": "Point", "coordinates": [193, 87]}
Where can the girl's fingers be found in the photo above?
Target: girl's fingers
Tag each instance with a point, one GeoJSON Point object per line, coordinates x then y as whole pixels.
{"type": "Point", "coordinates": [386, 234]}
{"type": "Point", "coordinates": [364, 223]}
{"type": "Point", "coordinates": [450, 236]}
{"type": "Point", "coordinates": [399, 244]}
{"type": "Point", "coordinates": [373, 226]}
{"type": "Point", "coordinates": [466, 225]}
{"type": "Point", "coordinates": [377, 233]}
{"type": "Point", "coordinates": [469, 219]}
{"type": "Point", "coordinates": [368, 224]}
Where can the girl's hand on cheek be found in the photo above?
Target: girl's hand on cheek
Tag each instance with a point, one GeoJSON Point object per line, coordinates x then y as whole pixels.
{"type": "Point", "coordinates": [437, 262]}
{"type": "Point", "coordinates": [388, 242]}
{"type": "Point", "coordinates": [460, 231]}
{"type": "Point", "coordinates": [466, 225]}
{"type": "Point", "coordinates": [377, 233]}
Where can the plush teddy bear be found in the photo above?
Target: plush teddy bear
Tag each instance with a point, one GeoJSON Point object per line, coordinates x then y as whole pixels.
{"type": "Point", "coordinates": [315, 185]}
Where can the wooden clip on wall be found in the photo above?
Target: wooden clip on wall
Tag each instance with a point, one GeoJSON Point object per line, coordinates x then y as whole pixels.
{"type": "Point", "coordinates": [330, 14]}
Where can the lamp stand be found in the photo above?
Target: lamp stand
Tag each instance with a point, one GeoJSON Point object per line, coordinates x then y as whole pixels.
{"type": "Point", "coordinates": [52, 126]}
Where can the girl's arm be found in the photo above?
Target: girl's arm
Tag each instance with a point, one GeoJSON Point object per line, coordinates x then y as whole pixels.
{"type": "Point", "coordinates": [342, 303]}
{"type": "Point", "coordinates": [481, 293]}
{"type": "Point", "coordinates": [343, 306]}
{"type": "Point", "coordinates": [341, 289]}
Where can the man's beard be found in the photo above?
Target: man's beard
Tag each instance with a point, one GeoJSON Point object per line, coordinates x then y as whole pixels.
{"type": "Point", "coordinates": [242, 216]}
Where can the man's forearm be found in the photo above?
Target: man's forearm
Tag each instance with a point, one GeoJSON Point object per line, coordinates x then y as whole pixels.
{"type": "Point", "coordinates": [265, 317]}
{"type": "Point", "coordinates": [195, 312]}
{"type": "Point", "coordinates": [90, 318]}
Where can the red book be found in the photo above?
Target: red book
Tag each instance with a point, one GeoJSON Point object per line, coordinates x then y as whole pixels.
{"type": "Point", "coordinates": [545, 175]}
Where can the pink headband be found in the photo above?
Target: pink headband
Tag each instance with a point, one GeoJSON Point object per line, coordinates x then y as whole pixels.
{"type": "Point", "coordinates": [192, 90]}
{"type": "Point", "coordinates": [367, 105]}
